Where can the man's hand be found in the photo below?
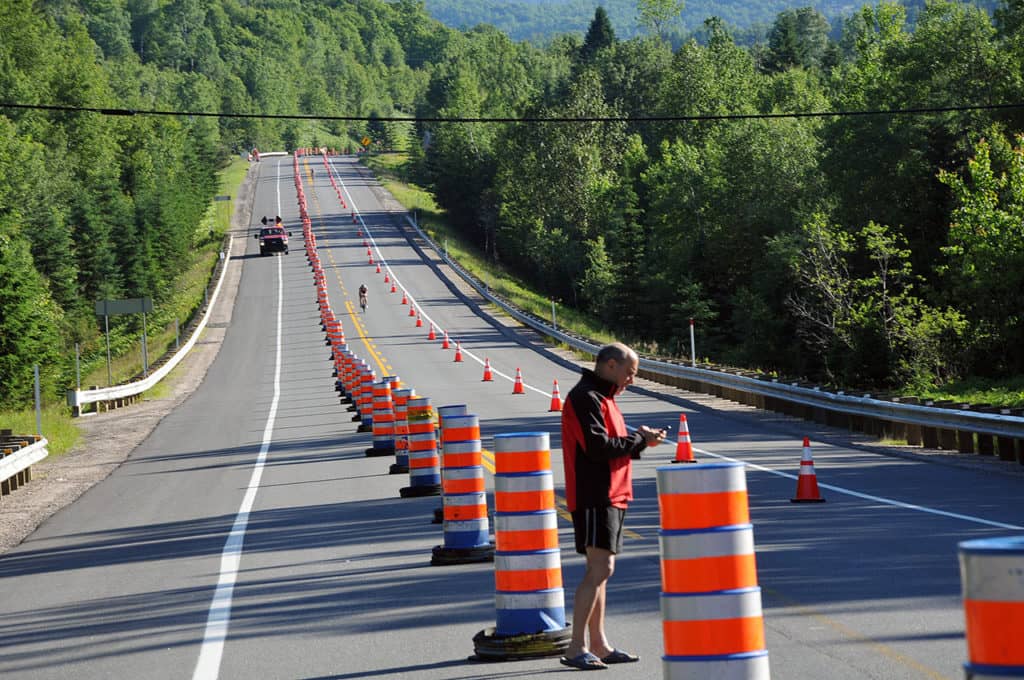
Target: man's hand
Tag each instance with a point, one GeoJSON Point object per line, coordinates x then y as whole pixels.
{"type": "Point", "coordinates": [651, 436]}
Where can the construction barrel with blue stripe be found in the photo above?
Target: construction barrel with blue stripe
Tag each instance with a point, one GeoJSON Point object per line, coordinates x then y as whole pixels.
{"type": "Point", "coordinates": [401, 397]}
{"type": "Point", "coordinates": [712, 621]}
{"type": "Point", "coordinates": [992, 579]}
{"type": "Point", "coordinates": [442, 413]}
{"type": "Point", "coordinates": [364, 400]}
{"type": "Point", "coordinates": [464, 495]}
{"type": "Point", "coordinates": [383, 421]}
{"type": "Point", "coordinates": [529, 599]}
{"type": "Point", "coordinates": [424, 463]}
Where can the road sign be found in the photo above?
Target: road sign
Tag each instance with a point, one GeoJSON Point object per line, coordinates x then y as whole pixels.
{"type": "Point", "coordinates": [365, 141]}
{"type": "Point", "coordinates": [129, 306]}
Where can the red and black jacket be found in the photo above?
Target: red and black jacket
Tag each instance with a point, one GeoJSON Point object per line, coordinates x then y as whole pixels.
{"type": "Point", "coordinates": [596, 446]}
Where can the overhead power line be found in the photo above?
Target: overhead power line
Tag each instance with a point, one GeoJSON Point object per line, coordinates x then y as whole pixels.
{"type": "Point", "coordinates": [916, 111]}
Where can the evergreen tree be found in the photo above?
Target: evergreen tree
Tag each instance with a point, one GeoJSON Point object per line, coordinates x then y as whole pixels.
{"type": "Point", "coordinates": [29, 323]}
{"type": "Point", "coordinates": [600, 35]}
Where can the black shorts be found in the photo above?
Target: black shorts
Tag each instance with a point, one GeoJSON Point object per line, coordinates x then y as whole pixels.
{"type": "Point", "coordinates": [598, 528]}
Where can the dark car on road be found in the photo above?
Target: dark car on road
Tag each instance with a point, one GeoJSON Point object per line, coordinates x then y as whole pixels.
{"type": "Point", "coordinates": [273, 238]}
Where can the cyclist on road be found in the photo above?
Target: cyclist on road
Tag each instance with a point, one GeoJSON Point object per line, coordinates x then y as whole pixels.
{"type": "Point", "coordinates": [362, 297]}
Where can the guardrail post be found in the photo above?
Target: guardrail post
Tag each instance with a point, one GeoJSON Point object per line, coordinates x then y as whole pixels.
{"type": "Point", "coordinates": [964, 438]}
{"type": "Point", "coordinates": [1011, 449]}
{"type": "Point", "coordinates": [986, 442]}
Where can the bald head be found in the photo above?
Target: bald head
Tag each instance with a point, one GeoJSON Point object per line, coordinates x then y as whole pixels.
{"type": "Point", "coordinates": [617, 363]}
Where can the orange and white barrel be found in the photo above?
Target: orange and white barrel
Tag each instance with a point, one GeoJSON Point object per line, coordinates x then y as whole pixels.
{"type": "Point", "coordinates": [712, 622]}
{"type": "Point", "coordinates": [383, 421]}
{"type": "Point", "coordinates": [466, 528]}
{"type": "Point", "coordinates": [424, 462]}
{"type": "Point", "coordinates": [529, 598]}
{"type": "Point", "coordinates": [992, 579]}
{"type": "Point", "coordinates": [401, 397]}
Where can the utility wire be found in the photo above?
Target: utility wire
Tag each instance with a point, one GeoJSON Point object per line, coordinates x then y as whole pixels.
{"type": "Point", "coordinates": [918, 111]}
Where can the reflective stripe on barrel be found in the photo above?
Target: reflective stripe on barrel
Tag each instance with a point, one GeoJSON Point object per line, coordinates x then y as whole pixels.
{"type": "Point", "coordinates": [464, 480]}
{"type": "Point", "coordinates": [524, 492]}
{"type": "Point", "coordinates": [715, 495]}
{"type": "Point", "coordinates": [462, 506]}
{"type": "Point", "coordinates": [541, 570]}
{"type": "Point", "coordinates": [463, 454]}
{"type": "Point", "coordinates": [528, 531]}
{"type": "Point", "coordinates": [709, 624]}
{"type": "Point", "coordinates": [704, 560]}
{"type": "Point", "coordinates": [992, 578]}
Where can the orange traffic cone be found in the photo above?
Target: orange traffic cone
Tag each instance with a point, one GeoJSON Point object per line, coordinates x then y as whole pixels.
{"type": "Point", "coordinates": [458, 351]}
{"type": "Point", "coordinates": [419, 321]}
{"type": "Point", "coordinates": [387, 279]}
{"type": "Point", "coordinates": [368, 251]}
{"type": "Point", "coordinates": [405, 300]}
{"type": "Point", "coordinates": [354, 220]}
{"type": "Point", "coordinates": [807, 482]}
{"type": "Point", "coordinates": [359, 233]}
{"type": "Point", "coordinates": [517, 388]}
{"type": "Point", "coordinates": [556, 398]}
{"type": "Point", "coordinates": [487, 371]}
{"type": "Point", "coordinates": [412, 311]}
{"type": "Point", "coordinates": [378, 268]}
{"type": "Point", "coordinates": [445, 345]}
{"type": "Point", "coordinates": [684, 449]}
{"type": "Point", "coordinates": [366, 244]}
{"type": "Point", "coordinates": [431, 335]}
{"type": "Point", "coordinates": [393, 287]}
{"type": "Point", "coordinates": [371, 259]}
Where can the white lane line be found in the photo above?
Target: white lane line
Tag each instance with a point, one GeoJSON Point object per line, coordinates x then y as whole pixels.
{"type": "Point", "coordinates": [865, 496]}
{"type": "Point", "coordinates": [212, 650]}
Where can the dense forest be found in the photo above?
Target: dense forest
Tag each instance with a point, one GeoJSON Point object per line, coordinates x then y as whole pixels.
{"type": "Point", "coordinates": [863, 249]}
{"type": "Point", "coordinates": [541, 20]}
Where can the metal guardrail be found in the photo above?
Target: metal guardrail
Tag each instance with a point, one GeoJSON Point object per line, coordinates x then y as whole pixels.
{"type": "Point", "coordinates": [78, 398]}
{"type": "Point", "coordinates": [950, 419]}
{"type": "Point", "coordinates": [14, 467]}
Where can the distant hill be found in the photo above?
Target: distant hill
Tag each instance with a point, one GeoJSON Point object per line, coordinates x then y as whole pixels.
{"type": "Point", "coordinates": [539, 20]}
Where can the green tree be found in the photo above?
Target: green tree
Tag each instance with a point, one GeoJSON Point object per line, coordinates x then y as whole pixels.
{"type": "Point", "coordinates": [600, 35]}
{"type": "Point", "coordinates": [29, 323]}
{"type": "Point", "coordinates": [656, 15]}
{"type": "Point", "coordinates": [986, 251]}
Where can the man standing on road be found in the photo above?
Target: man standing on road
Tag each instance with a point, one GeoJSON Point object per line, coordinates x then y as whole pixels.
{"type": "Point", "coordinates": [597, 451]}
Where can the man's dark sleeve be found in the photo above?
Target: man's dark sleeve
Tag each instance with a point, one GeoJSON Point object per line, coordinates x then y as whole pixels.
{"type": "Point", "coordinates": [598, 443]}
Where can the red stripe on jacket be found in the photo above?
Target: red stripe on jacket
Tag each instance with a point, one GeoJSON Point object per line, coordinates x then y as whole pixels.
{"type": "Point", "coordinates": [596, 446]}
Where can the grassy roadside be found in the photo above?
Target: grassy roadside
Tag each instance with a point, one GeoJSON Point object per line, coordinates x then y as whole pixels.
{"type": "Point", "coordinates": [57, 424]}
{"type": "Point", "coordinates": [391, 170]}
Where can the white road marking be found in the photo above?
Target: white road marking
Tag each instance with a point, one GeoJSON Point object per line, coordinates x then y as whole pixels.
{"type": "Point", "coordinates": [212, 650]}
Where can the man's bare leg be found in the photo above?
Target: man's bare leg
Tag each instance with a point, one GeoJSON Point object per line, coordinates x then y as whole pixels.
{"type": "Point", "coordinates": [588, 604]}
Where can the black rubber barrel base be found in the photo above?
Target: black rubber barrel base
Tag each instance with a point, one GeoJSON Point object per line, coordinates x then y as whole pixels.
{"type": "Point", "coordinates": [806, 500]}
{"type": "Point", "coordinates": [352, 407]}
{"type": "Point", "coordinates": [398, 469]}
{"type": "Point", "coordinates": [374, 452]}
{"type": "Point", "coordinates": [442, 556]}
{"type": "Point", "coordinates": [416, 491]}
{"type": "Point", "coordinates": [356, 418]}
{"type": "Point", "coordinates": [685, 461]}
{"type": "Point", "coordinates": [365, 427]}
{"type": "Point", "coordinates": [490, 646]}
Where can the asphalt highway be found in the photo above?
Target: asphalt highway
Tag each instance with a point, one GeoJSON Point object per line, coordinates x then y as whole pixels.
{"type": "Point", "coordinates": [249, 536]}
